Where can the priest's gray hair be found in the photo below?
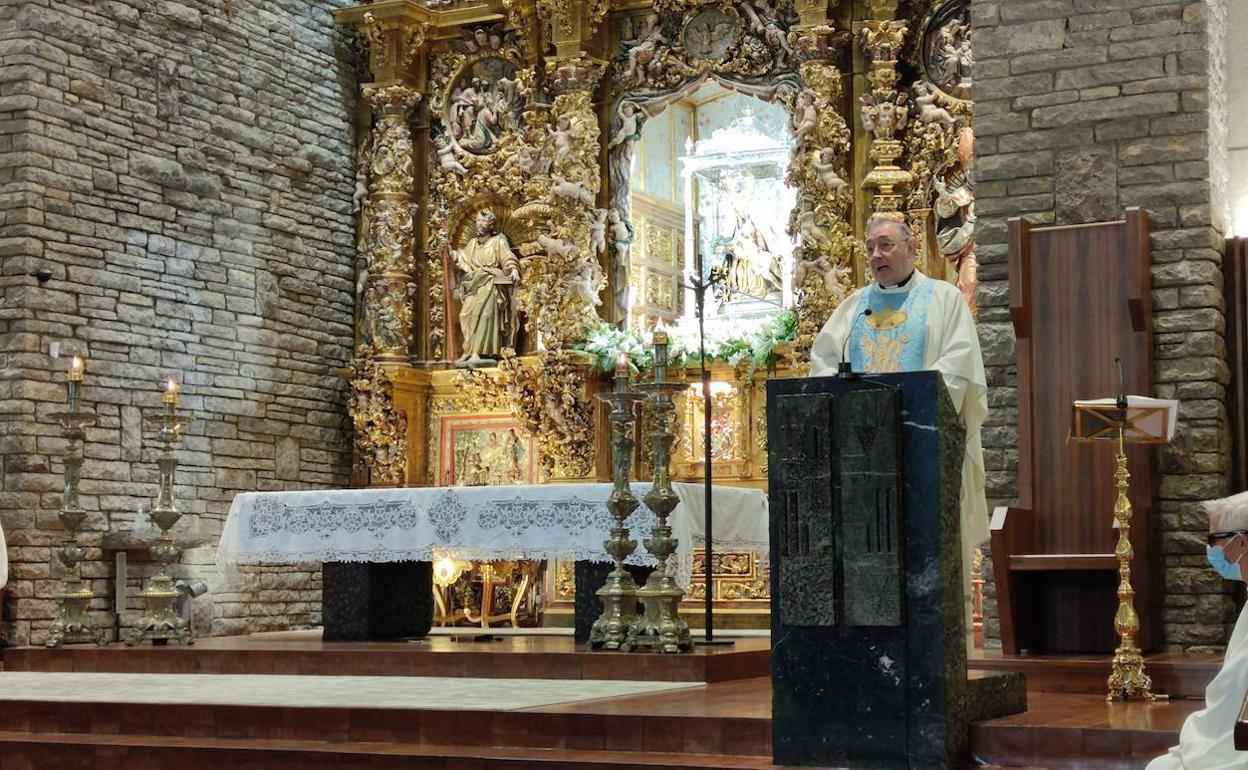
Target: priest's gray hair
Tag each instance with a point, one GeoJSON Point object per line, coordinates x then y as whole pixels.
{"type": "Point", "coordinates": [1229, 513]}
{"type": "Point", "coordinates": [881, 219]}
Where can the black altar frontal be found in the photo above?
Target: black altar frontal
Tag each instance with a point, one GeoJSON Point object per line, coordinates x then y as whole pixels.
{"type": "Point", "coordinates": [868, 659]}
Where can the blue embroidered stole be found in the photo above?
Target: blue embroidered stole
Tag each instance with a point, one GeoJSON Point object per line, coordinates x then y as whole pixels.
{"type": "Point", "coordinates": [883, 341]}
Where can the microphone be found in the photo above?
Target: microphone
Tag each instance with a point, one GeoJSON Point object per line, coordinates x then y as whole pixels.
{"type": "Point", "coordinates": [846, 368]}
{"type": "Point", "coordinates": [1122, 385]}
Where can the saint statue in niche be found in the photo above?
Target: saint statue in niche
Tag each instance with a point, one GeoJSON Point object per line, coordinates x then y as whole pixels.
{"type": "Point", "coordinates": [487, 316]}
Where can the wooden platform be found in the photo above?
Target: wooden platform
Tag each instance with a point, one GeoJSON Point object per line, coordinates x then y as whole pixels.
{"type": "Point", "coordinates": [303, 652]}
{"type": "Point", "coordinates": [721, 719]}
{"type": "Point", "coordinates": [1179, 675]}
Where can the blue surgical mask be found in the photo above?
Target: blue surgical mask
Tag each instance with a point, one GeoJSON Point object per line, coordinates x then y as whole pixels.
{"type": "Point", "coordinates": [1217, 559]}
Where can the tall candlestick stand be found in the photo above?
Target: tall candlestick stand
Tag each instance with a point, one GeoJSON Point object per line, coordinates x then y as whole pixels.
{"type": "Point", "coordinates": [72, 624]}
{"type": "Point", "coordinates": [660, 628]}
{"type": "Point", "coordinates": [1126, 677]}
{"type": "Point", "coordinates": [619, 593]}
{"type": "Point", "coordinates": [161, 621]}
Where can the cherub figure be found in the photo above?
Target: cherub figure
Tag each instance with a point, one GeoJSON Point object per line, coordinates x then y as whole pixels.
{"type": "Point", "coordinates": [643, 48]}
{"type": "Point", "coordinates": [598, 232]}
{"type": "Point", "coordinates": [824, 164]}
{"type": "Point", "coordinates": [572, 191]}
{"type": "Point", "coordinates": [929, 111]}
{"type": "Point", "coordinates": [630, 124]}
{"type": "Point", "coordinates": [446, 156]}
{"type": "Point", "coordinates": [561, 139]}
{"type": "Point", "coordinates": [805, 116]}
{"type": "Point", "coordinates": [585, 278]}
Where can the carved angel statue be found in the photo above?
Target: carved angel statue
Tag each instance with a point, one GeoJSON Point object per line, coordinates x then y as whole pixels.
{"type": "Point", "coordinates": [778, 41]}
{"type": "Point", "coordinates": [630, 124]}
{"type": "Point", "coordinates": [955, 52]}
{"type": "Point", "coordinates": [446, 156]}
{"type": "Point", "coordinates": [643, 48]}
{"type": "Point", "coordinates": [621, 235]}
{"type": "Point", "coordinates": [598, 232]}
{"type": "Point", "coordinates": [929, 111]}
{"type": "Point", "coordinates": [561, 139]}
{"type": "Point", "coordinates": [569, 190]}
{"type": "Point", "coordinates": [360, 195]}
{"type": "Point", "coordinates": [823, 162]}
{"type": "Point", "coordinates": [885, 118]}
{"type": "Point", "coordinates": [833, 277]}
{"type": "Point", "coordinates": [805, 115]}
{"type": "Point", "coordinates": [807, 226]}
{"type": "Point", "coordinates": [585, 278]}
{"type": "Point", "coordinates": [555, 246]}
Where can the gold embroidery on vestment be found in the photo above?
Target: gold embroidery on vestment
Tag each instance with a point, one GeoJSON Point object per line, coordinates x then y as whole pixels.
{"type": "Point", "coordinates": [886, 319]}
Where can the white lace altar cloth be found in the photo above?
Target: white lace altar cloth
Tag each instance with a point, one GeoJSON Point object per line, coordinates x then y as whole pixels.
{"type": "Point", "coordinates": [545, 521]}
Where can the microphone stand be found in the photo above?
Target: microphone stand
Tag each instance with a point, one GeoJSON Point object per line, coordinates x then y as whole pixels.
{"type": "Point", "coordinates": [699, 286]}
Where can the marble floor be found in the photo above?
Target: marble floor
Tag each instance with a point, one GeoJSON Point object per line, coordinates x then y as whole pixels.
{"type": "Point", "coordinates": [449, 693]}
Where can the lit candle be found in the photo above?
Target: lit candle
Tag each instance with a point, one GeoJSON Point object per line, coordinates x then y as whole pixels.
{"type": "Point", "coordinates": [621, 373]}
{"type": "Point", "coordinates": [171, 393]}
{"type": "Point", "coordinates": [74, 376]}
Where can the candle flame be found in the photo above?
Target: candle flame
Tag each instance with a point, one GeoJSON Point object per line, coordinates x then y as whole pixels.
{"type": "Point", "coordinates": [171, 386]}
{"type": "Point", "coordinates": [77, 364]}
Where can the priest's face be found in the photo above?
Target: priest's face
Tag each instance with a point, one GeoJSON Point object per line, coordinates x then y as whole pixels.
{"type": "Point", "coordinates": [1234, 546]}
{"type": "Point", "coordinates": [890, 254]}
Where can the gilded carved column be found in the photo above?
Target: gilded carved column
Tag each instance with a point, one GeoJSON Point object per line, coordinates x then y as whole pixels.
{"type": "Point", "coordinates": [389, 265]}
{"type": "Point", "coordinates": [885, 108]}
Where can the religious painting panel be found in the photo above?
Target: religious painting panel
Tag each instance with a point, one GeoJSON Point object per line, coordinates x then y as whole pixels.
{"type": "Point", "coordinates": [485, 450]}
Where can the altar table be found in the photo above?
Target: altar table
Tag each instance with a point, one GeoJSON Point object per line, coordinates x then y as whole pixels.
{"type": "Point", "coordinates": [389, 526]}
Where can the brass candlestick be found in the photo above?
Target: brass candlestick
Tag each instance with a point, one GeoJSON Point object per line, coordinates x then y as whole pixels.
{"type": "Point", "coordinates": [660, 628]}
{"type": "Point", "coordinates": [619, 593]}
{"type": "Point", "coordinates": [72, 624]}
{"type": "Point", "coordinates": [1127, 675]}
{"type": "Point", "coordinates": [161, 621]}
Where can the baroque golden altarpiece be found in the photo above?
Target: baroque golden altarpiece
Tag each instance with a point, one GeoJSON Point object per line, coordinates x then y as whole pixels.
{"type": "Point", "coordinates": [496, 143]}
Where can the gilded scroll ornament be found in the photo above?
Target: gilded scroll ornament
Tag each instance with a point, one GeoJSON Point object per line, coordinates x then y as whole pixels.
{"type": "Point", "coordinates": [885, 110]}
{"type": "Point", "coordinates": [548, 395]}
{"type": "Point", "coordinates": [823, 272]}
{"type": "Point", "coordinates": [380, 430]}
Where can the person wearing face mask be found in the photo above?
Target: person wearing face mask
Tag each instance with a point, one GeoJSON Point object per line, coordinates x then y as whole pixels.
{"type": "Point", "coordinates": [1207, 740]}
{"type": "Point", "coordinates": [916, 323]}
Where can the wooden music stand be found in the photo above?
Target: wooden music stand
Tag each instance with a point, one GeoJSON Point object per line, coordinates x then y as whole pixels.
{"type": "Point", "coordinates": [1139, 420]}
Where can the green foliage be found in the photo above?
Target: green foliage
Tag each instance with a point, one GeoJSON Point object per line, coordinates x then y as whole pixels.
{"type": "Point", "coordinates": [756, 348]}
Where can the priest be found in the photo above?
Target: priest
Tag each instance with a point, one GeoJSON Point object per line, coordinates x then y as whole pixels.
{"type": "Point", "coordinates": [907, 322]}
{"type": "Point", "coordinates": [1207, 739]}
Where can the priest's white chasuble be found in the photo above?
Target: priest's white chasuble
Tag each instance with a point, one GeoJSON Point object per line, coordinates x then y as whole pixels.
{"type": "Point", "coordinates": [923, 325]}
{"type": "Point", "coordinates": [1207, 740]}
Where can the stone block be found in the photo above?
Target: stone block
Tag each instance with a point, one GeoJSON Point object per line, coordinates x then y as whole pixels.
{"type": "Point", "coordinates": [1087, 186]}
{"type": "Point", "coordinates": [1105, 109]}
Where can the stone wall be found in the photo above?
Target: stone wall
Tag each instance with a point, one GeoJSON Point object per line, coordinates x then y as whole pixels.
{"type": "Point", "coordinates": [183, 171]}
{"type": "Point", "coordinates": [1084, 108]}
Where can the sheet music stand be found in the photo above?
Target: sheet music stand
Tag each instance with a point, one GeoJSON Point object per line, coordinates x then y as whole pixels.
{"type": "Point", "coordinates": [1139, 420]}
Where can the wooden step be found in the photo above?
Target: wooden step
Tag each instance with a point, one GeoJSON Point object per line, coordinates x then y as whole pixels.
{"type": "Point", "coordinates": [510, 657]}
{"type": "Point", "coordinates": [125, 752]}
{"type": "Point", "coordinates": [1084, 731]}
{"type": "Point", "coordinates": [528, 729]}
{"type": "Point", "coordinates": [1179, 675]}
